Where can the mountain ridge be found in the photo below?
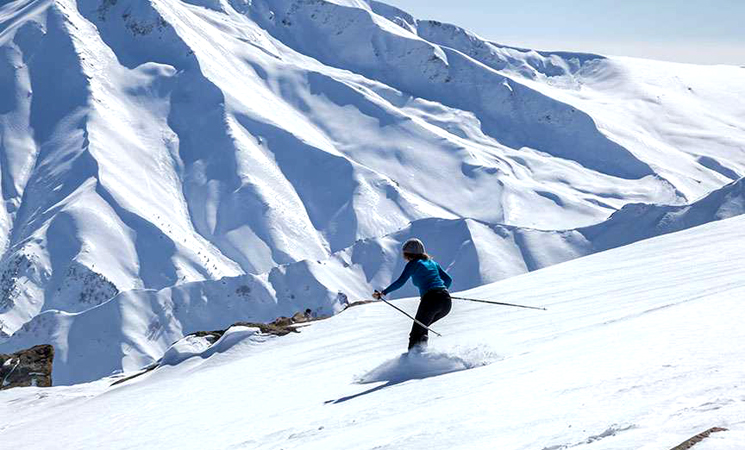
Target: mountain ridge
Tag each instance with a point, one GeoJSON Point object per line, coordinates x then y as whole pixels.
{"type": "Point", "coordinates": [474, 253]}
{"type": "Point", "coordinates": [187, 142]}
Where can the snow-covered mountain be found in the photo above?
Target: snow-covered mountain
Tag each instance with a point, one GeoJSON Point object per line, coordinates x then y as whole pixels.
{"type": "Point", "coordinates": [640, 348]}
{"type": "Point", "coordinates": [167, 165]}
{"type": "Point", "coordinates": [136, 327]}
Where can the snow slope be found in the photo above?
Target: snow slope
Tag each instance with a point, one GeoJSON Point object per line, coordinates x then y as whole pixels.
{"type": "Point", "coordinates": [135, 328]}
{"type": "Point", "coordinates": [180, 141]}
{"type": "Point", "coordinates": [641, 348]}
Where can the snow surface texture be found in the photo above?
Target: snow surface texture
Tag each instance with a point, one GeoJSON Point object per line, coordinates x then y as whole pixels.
{"type": "Point", "coordinates": [641, 348]}
{"type": "Point", "coordinates": [212, 161]}
{"type": "Point", "coordinates": [193, 346]}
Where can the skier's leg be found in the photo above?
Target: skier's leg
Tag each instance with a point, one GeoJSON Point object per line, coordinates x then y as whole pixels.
{"type": "Point", "coordinates": [425, 314]}
{"type": "Point", "coordinates": [434, 306]}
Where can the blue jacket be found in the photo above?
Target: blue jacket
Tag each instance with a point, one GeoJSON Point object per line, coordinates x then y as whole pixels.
{"type": "Point", "coordinates": [426, 274]}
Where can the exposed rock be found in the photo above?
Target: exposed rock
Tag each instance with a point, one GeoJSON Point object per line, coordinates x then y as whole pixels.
{"type": "Point", "coordinates": [282, 322]}
{"type": "Point", "coordinates": [12, 278]}
{"type": "Point", "coordinates": [31, 367]}
{"type": "Point", "coordinates": [279, 327]}
{"type": "Point", "coordinates": [698, 438]}
{"type": "Point", "coordinates": [211, 336]}
{"type": "Point", "coordinates": [282, 325]}
{"type": "Point", "coordinates": [306, 316]}
{"type": "Point", "coordinates": [88, 286]}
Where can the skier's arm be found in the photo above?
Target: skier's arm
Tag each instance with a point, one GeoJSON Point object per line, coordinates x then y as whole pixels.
{"type": "Point", "coordinates": [445, 277]}
{"type": "Point", "coordinates": [401, 280]}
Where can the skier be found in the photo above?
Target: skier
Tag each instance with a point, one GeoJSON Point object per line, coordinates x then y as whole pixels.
{"type": "Point", "coordinates": [433, 283]}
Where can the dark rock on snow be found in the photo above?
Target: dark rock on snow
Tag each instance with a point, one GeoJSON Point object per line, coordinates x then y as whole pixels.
{"type": "Point", "coordinates": [31, 367]}
{"type": "Point", "coordinates": [279, 327]}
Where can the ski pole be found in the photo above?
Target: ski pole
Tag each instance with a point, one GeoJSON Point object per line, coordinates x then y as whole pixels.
{"type": "Point", "coordinates": [498, 303]}
{"type": "Point", "coordinates": [409, 316]}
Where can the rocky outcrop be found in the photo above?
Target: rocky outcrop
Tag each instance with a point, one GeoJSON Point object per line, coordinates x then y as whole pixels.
{"type": "Point", "coordinates": [279, 327]}
{"type": "Point", "coordinates": [200, 341]}
{"type": "Point", "coordinates": [31, 367]}
{"type": "Point", "coordinates": [283, 324]}
{"type": "Point", "coordinates": [698, 438]}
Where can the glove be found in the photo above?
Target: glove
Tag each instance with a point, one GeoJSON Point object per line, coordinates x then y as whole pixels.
{"type": "Point", "coordinates": [377, 295]}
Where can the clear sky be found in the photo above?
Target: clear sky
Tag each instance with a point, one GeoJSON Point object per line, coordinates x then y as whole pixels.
{"type": "Point", "coordinates": [697, 31]}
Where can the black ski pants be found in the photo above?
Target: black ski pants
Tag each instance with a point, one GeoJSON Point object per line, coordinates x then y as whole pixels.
{"type": "Point", "coordinates": [435, 305]}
